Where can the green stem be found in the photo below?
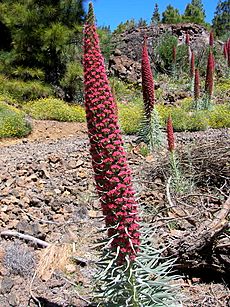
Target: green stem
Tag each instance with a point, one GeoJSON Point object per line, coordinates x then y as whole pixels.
{"type": "Point", "coordinates": [176, 175]}
{"type": "Point", "coordinates": [132, 286]}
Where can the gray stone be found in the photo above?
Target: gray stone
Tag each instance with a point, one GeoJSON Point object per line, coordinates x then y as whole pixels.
{"type": "Point", "coordinates": [6, 285]}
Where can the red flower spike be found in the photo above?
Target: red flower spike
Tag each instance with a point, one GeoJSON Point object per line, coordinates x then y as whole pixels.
{"type": "Point", "coordinates": [209, 82]}
{"type": "Point", "coordinates": [228, 49]}
{"type": "Point", "coordinates": [225, 51]}
{"type": "Point", "coordinates": [112, 174]}
{"type": "Point", "coordinates": [187, 39]}
{"type": "Point", "coordinates": [192, 65]}
{"type": "Point", "coordinates": [170, 135]}
{"type": "Point", "coordinates": [197, 85]}
{"type": "Point", "coordinates": [147, 81]}
{"type": "Point", "coordinates": [211, 39]}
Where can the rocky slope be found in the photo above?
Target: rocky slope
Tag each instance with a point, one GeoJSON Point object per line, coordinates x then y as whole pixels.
{"type": "Point", "coordinates": [125, 60]}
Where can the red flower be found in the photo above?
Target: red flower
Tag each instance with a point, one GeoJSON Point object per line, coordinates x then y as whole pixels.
{"type": "Point", "coordinates": [192, 65]}
{"type": "Point", "coordinates": [228, 49]}
{"type": "Point", "coordinates": [147, 81]}
{"type": "Point", "coordinates": [209, 83]}
{"type": "Point", "coordinates": [187, 39]}
{"type": "Point", "coordinates": [170, 135]}
{"type": "Point", "coordinates": [225, 51]}
{"type": "Point", "coordinates": [112, 174]}
{"type": "Point", "coordinates": [211, 39]}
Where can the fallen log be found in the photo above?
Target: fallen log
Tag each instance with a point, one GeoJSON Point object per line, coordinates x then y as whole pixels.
{"type": "Point", "coordinates": [206, 247]}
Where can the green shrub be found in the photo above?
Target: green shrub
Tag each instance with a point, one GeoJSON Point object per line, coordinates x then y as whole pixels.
{"type": "Point", "coordinates": [12, 122]}
{"type": "Point", "coordinates": [55, 109]}
{"type": "Point", "coordinates": [223, 85]}
{"type": "Point", "coordinates": [126, 92]}
{"type": "Point", "coordinates": [8, 99]}
{"type": "Point", "coordinates": [219, 117]}
{"type": "Point", "coordinates": [196, 121]}
{"type": "Point", "coordinates": [72, 82]}
{"type": "Point", "coordinates": [130, 117]}
{"type": "Point", "coordinates": [27, 73]}
{"type": "Point", "coordinates": [24, 91]}
{"type": "Point", "coordinates": [163, 51]}
{"type": "Point", "coordinates": [182, 119]}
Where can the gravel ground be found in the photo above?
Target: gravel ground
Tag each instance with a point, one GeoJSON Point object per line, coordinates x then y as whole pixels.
{"type": "Point", "coordinates": [47, 191]}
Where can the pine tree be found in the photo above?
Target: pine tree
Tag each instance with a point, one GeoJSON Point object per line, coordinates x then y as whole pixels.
{"type": "Point", "coordinates": [43, 34]}
{"type": "Point", "coordinates": [142, 23]}
{"type": "Point", "coordinates": [221, 20]}
{"type": "Point", "coordinates": [171, 15]}
{"type": "Point", "coordinates": [156, 17]}
{"type": "Point", "coordinates": [194, 12]}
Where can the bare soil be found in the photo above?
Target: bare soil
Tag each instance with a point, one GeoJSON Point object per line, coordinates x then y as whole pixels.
{"type": "Point", "coordinates": [45, 130]}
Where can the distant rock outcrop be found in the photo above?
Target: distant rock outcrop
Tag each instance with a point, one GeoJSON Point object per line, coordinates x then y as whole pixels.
{"type": "Point", "coordinates": [125, 59]}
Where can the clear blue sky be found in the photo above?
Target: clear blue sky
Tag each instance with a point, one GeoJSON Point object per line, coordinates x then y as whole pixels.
{"type": "Point", "coordinates": [113, 12]}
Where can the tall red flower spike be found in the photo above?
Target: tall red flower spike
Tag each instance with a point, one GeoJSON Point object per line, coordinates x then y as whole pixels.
{"type": "Point", "coordinates": [192, 65]}
{"type": "Point", "coordinates": [228, 49]}
{"type": "Point", "coordinates": [170, 135]}
{"type": "Point", "coordinates": [112, 174]}
{"type": "Point", "coordinates": [211, 39]}
{"type": "Point", "coordinates": [187, 39]}
{"type": "Point", "coordinates": [197, 85]}
{"type": "Point", "coordinates": [209, 82]}
{"type": "Point", "coordinates": [225, 50]}
{"type": "Point", "coordinates": [147, 81]}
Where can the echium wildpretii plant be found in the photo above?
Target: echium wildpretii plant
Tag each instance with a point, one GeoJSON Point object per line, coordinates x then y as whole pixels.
{"type": "Point", "coordinates": [192, 69]}
{"type": "Point", "coordinates": [127, 276]}
{"type": "Point", "coordinates": [209, 82]}
{"type": "Point", "coordinates": [227, 51]}
{"type": "Point", "coordinates": [211, 39]}
{"type": "Point", "coordinates": [187, 42]}
{"type": "Point", "coordinates": [178, 181]}
{"type": "Point", "coordinates": [112, 174]}
{"type": "Point", "coordinates": [150, 131]}
{"type": "Point", "coordinates": [196, 92]}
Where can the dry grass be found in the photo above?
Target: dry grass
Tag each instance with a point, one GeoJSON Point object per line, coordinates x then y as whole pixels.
{"type": "Point", "coordinates": [55, 257]}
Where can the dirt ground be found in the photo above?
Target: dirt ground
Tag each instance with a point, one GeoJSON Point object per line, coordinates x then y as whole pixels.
{"type": "Point", "coordinates": [45, 130]}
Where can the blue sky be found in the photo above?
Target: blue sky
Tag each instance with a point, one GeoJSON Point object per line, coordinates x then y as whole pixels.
{"type": "Point", "coordinates": [112, 12]}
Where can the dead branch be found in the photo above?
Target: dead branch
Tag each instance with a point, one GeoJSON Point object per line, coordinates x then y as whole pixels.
{"type": "Point", "coordinates": [173, 208]}
{"type": "Point", "coordinates": [218, 223]}
{"type": "Point", "coordinates": [13, 233]}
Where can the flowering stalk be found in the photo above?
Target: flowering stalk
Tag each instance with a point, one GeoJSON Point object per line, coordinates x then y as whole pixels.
{"type": "Point", "coordinates": [187, 42]}
{"type": "Point", "coordinates": [211, 39]}
{"type": "Point", "coordinates": [150, 132]}
{"type": "Point", "coordinates": [170, 135]}
{"type": "Point", "coordinates": [197, 85]}
{"type": "Point", "coordinates": [197, 88]}
{"type": "Point", "coordinates": [178, 181]}
{"type": "Point", "coordinates": [187, 39]}
{"type": "Point", "coordinates": [123, 278]}
{"type": "Point", "coordinates": [225, 50]}
{"type": "Point", "coordinates": [209, 82]}
{"type": "Point", "coordinates": [112, 174]}
{"type": "Point", "coordinates": [192, 65]}
{"type": "Point", "coordinates": [147, 81]}
{"type": "Point", "coordinates": [228, 50]}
